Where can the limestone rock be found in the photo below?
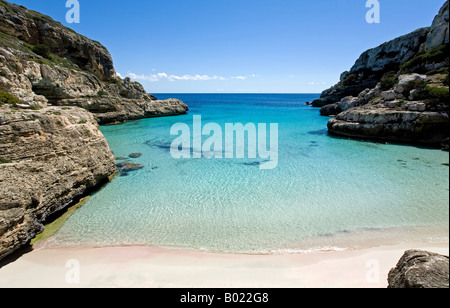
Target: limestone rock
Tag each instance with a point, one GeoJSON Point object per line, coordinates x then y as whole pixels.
{"type": "Point", "coordinates": [35, 28]}
{"type": "Point", "coordinates": [420, 269]}
{"type": "Point", "coordinates": [51, 150]}
{"type": "Point", "coordinates": [374, 122]}
{"type": "Point", "coordinates": [390, 56]}
{"type": "Point", "coordinates": [391, 104]}
{"type": "Point", "coordinates": [55, 155]}
{"type": "Point", "coordinates": [79, 73]}
{"type": "Point", "coordinates": [388, 95]}
{"type": "Point", "coordinates": [406, 78]}
{"type": "Point", "coordinates": [392, 53]}
{"type": "Point", "coordinates": [439, 31]}
{"type": "Point", "coordinates": [349, 102]}
{"type": "Point", "coordinates": [330, 110]}
{"type": "Point", "coordinates": [416, 106]}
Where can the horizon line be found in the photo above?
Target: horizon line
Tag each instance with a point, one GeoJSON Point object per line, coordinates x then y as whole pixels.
{"type": "Point", "coordinates": [233, 93]}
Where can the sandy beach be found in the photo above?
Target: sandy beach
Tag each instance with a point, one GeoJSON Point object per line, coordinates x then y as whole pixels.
{"type": "Point", "coordinates": [132, 267]}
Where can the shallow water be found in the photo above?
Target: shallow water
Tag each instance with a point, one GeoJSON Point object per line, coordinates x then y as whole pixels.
{"type": "Point", "coordinates": [326, 193]}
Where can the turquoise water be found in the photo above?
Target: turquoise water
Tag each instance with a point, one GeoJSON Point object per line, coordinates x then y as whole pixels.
{"type": "Point", "coordinates": [326, 193]}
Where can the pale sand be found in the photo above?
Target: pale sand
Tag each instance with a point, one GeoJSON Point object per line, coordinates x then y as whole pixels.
{"type": "Point", "coordinates": [157, 267]}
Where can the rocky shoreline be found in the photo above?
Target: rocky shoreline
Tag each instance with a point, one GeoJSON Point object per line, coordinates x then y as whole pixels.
{"type": "Point", "coordinates": [396, 92]}
{"type": "Point", "coordinates": [56, 88]}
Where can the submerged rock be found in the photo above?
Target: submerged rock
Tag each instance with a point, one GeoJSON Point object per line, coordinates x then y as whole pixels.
{"type": "Point", "coordinates": [420, 269]}
{"type": "Point", "coordinates": [126, 167]}
{"type": "Point", "coordinates": [135, 155]}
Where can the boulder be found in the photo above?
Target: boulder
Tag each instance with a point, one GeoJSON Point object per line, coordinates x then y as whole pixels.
{"type": "Point", "coordinates": [420, 269]}
{"type": "Point", "coordinates": [388, 95]}
{"type": "Point", "coordinates": [349, 102]}
{"type": "Point", "coordinates": [391, 104]}
{"type": "Point", "coordinates": [406, 78]}
{"type": "Point", "coordinates": [330, 110]}
{"type": "Point", "coordinates": [416, 106]}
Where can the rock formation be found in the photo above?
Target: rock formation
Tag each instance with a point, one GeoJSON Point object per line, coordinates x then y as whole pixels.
{"type": "Point", "coordinates": [396, 92]}
{"type": "Point", "coordinates": [56, 87]}
{"type": "Point", "coordinates": [49, 158]}
{"type": "Point", "coordinates": [419, 270]}
{"type": "Point", "coordinates": [44, 63]}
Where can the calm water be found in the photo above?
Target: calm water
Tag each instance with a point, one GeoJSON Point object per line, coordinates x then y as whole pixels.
{"type": "Point", "coordinates": [326, 193]}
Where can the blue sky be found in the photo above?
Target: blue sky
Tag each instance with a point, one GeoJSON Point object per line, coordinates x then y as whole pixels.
{"type": "Point", "coordinates": [234, 46]}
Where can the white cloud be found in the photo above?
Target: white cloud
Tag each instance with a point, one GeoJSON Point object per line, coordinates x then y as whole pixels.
{"type": "Point", "coordinates": [195, 78]}
{"type": "Point", "coordinates": [161, 76]}
{"type": "Point", "coordinates": [313, 83]}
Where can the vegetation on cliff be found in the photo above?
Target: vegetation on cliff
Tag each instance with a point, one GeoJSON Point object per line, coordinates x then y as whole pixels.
{"type": "Point", "coordinates": [397, 91]}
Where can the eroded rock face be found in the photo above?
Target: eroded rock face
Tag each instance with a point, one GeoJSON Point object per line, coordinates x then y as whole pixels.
{"type": "Point", "coordinates": [49, 158]}
{"type": "Point", "coordinates": [391, 54]}
{"type": "Point", "coordinates": [391, 124]}
{"type": "Point", "coordinates": [374, 63]}
{"type": "Point", "coordinates": [407, 106]}
{"type": "Point", "coordinates": [35, 28]}
{"type": "Point", "coordinates": [118, 100]}
{"type": "Point", "coordinates": [78, 72]}
{"type": "Point", "coordinates": [439, 31]}
{"type": "Point", "coordinates": [420, 269]}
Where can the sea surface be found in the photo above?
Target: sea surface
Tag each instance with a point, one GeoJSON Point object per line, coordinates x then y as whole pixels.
{"type": "Point", "coordinates": [326, 193]}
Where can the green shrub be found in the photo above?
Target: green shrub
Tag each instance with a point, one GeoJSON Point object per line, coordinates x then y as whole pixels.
{"type": "Point", "coordinates": [6, 98]}
{"type": "Point", "coordinates": [102, 93]}
{"type": "Point", "coordinates": [433, 94]}
{"type": "Point", "coordinates": [42, 50]}
{"type": "Point", "coordinates": [440, 94]}
{"type": "Point", "coordinates": [350, 80]}
{"type": "Point", "coordinates": [4, 161]}
{"type": "Point", "coordinates": [414, 85]}
{"type": "Point", "coordinates": [436, 55]}
{"type": "Point", "coordinates": [388, 81]}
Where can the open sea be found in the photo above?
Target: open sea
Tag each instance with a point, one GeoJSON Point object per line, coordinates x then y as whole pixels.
{"type": "Point", "coordinates": [326, 193]}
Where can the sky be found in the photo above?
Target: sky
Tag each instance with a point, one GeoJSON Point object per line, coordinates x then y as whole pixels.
{"type": "Point", "coordinates": [238, 46]}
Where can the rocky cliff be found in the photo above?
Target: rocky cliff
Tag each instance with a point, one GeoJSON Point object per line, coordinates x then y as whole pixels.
{"type": "Point", "coordinates": [396, 92]}
{"type": "Point", "coordinates": [56, 87]}
{"type": "Point", "coordinates": [48, 159]}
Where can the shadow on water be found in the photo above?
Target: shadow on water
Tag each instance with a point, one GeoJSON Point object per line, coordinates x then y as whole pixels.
{"type": "Point", "coordinates": [161, 144]}
{"type": "Point", "coordinates": [320, 132]}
